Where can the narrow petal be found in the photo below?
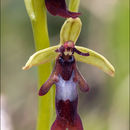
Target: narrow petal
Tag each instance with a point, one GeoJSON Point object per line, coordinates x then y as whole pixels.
{"type": "Point", "coordinates": [58, 7]}
{"type": "Point", "coordinates": [70, 30]}
{"type": "Point", "coordinates": [41, 57]}
{"type": "Point", "coordinates": [80, 80]}
{"type": "Point", "coordinates": [95, 59]}
{"type": "Point", "coordinates": [48, 84]}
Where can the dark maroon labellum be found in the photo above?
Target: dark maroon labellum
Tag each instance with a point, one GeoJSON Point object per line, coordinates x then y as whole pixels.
{"type": "Point", "coordinates": [67, 116]}
{"type": "Point", "coordinates": [58, 7]}
{"type": "Point", "coordinates": [66, 77]}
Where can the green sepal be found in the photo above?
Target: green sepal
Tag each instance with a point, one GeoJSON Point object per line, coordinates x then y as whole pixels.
{"type": "Point", "coordinates": [95, 59]}
{"type": "Point", "coordinates": [41, 57]}
{"type": "Point", "coordinates": [70, 30]}
{"type": "Point", "coordinates": [74, 5]}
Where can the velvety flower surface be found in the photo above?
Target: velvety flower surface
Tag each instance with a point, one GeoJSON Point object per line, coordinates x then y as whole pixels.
{"type": "Point", "coordinates": [58, 7]}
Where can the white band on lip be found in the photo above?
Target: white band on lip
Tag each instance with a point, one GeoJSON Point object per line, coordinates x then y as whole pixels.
{"type": "Point", "coordinates": [66, 89]}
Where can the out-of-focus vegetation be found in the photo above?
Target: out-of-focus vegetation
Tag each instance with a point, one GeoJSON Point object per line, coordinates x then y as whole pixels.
{"type": "Point", "coordinates": [105, 30]}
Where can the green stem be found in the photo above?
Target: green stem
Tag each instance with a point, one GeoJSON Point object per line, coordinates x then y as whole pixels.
{"type": "Point", "coordinates": [37, 12]}
{"type": "Point", "coordinates": [74, 5]}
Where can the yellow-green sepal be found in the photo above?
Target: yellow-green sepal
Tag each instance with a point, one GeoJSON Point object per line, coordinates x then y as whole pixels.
{"type": "Point", "coordinates": [95, 59]}
{"type": "Point", "coordinates": [41, 57]}
{"type": "Point", "coordinates": [70, 30]}
{"type": "Point", "coordinates": [74, 5]}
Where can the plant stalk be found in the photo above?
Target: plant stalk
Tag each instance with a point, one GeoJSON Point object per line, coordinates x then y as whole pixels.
{"type": "Point", "coordinates": [37, 12]}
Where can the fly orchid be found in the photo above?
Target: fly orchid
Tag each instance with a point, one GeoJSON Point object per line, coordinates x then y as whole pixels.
{"type": "Point", "coordinates": [58, 7]}
{"type": "Point", "coordinates": [66, 75]}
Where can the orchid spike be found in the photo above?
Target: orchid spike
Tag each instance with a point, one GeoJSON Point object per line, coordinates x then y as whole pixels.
{"type": "Point", "coordinates": [58, 7]}
{"type": "Point", "coordinates": [66, 75]}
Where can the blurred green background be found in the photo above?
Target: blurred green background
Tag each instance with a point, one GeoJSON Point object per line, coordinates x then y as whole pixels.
{"type": "Point", "coordinates": [105, 30]}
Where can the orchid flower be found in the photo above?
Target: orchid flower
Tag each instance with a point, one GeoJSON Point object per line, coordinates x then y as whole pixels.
{"type": "Point", "coordinates": [66, 75]}
{"type": "Point", "coordinates": [69, 33]}
{"type": "Point", "coordinates": [58, 7]}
